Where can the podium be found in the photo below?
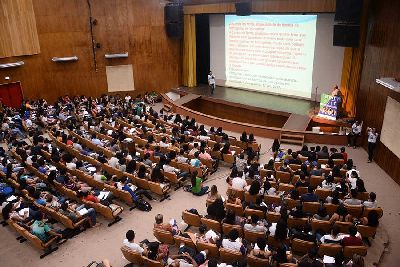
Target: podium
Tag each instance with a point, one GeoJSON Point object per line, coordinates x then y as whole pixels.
{"type": "Point", "coordinates": [328, 108]}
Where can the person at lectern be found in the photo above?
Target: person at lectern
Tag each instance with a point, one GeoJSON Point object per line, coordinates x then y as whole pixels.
{"type": "Point", "coordinates": [211, 81]}
{"type": "Point", "coordinates": [339, 96]}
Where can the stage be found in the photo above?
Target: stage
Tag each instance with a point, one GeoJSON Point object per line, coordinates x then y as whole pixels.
{"type": "Point", "coordinates": [289, 119]}
{"type": "Point", "coordinates": [255, 99]}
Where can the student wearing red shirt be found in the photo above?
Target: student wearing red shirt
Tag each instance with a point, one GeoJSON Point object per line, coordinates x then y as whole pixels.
{"type": "Point", "coordinates": [344, 153]}
{"type": "Point", "coordinates": [352, 240]}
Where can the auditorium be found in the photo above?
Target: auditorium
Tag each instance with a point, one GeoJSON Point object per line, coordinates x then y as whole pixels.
{"type": "Point", "coordinates": [204, 133]}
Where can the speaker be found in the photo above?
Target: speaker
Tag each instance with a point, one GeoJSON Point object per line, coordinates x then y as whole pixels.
{"type": "Point", "coordinates": [174, 30]}
{"type": "Point", "coordinates": [243, 8]}
{"type": "Point", "coordinates": [346, 35]}
{"type": "Point", "coordinates": [174, 20]}
{"type": "Point", "coordinates": [173, 13]}
{"type": "Point", "coordinates": [348, 11]}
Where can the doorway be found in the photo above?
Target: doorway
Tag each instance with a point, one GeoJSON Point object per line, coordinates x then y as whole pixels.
{"type": "Point", "coordinates": [11, 94]}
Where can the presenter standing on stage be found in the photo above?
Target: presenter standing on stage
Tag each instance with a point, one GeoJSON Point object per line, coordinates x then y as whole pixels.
{"type": "Point", "coordinates": [372, 136]}
{"type": "Point", "coordinates": [211, 81]}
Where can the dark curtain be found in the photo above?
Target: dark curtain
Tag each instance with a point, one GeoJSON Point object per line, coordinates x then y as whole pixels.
{"type": "Point", "coordinates": [202, 47]}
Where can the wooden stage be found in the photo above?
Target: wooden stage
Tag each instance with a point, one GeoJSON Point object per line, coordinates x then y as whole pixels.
{"type": "Point", "coordinates": [218, 110]}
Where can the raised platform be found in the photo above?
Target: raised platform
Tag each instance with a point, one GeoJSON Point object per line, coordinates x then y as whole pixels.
{"type": "Point", "coordinates": [254, 99]}
{"type": "Point", "coordinates": [239, 117]}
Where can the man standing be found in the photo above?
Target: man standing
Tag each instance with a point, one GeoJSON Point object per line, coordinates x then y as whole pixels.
{"type": "Point", "coordinates": [372, 136]}
{"type": "Point", "coordinates": [355, 132]}
{"type": "Point", "coordinates": [211, 81]}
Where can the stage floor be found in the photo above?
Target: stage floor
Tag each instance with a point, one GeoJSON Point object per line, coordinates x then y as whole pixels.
{"type": "Point", "coordinates": [255, 99]}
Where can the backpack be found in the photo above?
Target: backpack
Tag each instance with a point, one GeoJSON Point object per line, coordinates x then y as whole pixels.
{"type": "Point", "coordinates": [143, 205]}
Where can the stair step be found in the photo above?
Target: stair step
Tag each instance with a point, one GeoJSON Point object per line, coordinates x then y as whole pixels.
{"type": "Point", "coordinates": [291, 141]}
{"type": "Point", "coordinates": [292, 136]}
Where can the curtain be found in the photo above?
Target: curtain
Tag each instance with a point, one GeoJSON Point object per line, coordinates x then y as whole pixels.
{"type": "Point", "coordinates": [352, 67]}
{"type": "Point", "coordinates": [189, 51]}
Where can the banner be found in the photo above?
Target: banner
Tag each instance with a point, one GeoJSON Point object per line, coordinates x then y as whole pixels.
{"type": "Point", "coordinates": [328, 108]}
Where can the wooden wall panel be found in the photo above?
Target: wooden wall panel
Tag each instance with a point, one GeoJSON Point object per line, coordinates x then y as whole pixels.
{"type": "Point", "coordinates": [130, 26]}
{"type": "Point", "coordinates": [260, 6]}
{"type": "Point", "coordinates": [381, 59]}
{"type": "Point", "coordinates": [18, 29]}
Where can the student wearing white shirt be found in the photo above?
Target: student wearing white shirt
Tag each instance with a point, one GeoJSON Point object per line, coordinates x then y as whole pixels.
{"type": "Point", "coordinates": [211, 81]}
{"type": "Point", "coordinates": [372, 136]}
{"type": "Point", "coordinates": [129, 243]}
{"type": "Point", "coordinates": [355, 132]}
{"type": "Point", "coordinates": [238, 183]}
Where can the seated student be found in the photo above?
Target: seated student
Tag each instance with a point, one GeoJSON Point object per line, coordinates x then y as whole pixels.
{"type": "Point", "coordinates": [41, 229]}
{"type": "Point", "coordinates": [328, 183]}
{"type": "Point", "coordinates": [195, 162]}
{"type": "Point", "coordinates": [310, 196]}
{"type": "Point", "coordinates": [352, 239]}
{"type": "Point", "coordinates": [243, 137]}
{"type": "Point", "coordinates": [321, 214]}
{"type": "Point", "coordinates": [240, 162]}
{"type": "Point", "coordinates": [304, 233]}
{"type": "Point", "coordinates": [205, 236]}
{"type": "Point", "coordinates": [353, 200]}
{"type": "Point", "coordinates": [285, 167]}
{"type": "Point", "coordinates": [185, 260]}
{"type": "Point", "coordinates": [341, 215]}
{"type": "Point", "coordinates": [295, 159]}
{"type": "Point", "coordinates": [226, 149]}
{"type": "Point", "coordinates": [302, 182]}
{"type": "Point", "coordinates": [298, 212]}
{"type": "Point", "coordinates": [316, 169]}
{"type": "Point", "coordinates": [310, 259]}
{"type": "Point", "coordinates": [255, 225]}
{"type": "Point", "coordinates": [133, 190]}
{"type": "Point", "coordinates": [168, 168]}
{"type": "Point", "coordinates": [213, 195]}
{"type": "Point", "coordinates": [334, 198]}
{"type": "Point", "coordinates": [142, 172]}
{"type": "Point", "coordinates": [197, 185]}
{"type": "Point", "coordinates": [181, 157]}
{"type": "Point", "coordinates": [282, 255]}
{"type": "Point", "coordinates": [233, 242]}
{"type": "Point", "coordinates": [238, 182]}
{"type": "Point", "coordinates": [129, 242]}
{"type": "Point", "coordinates": [371, 202]}
{"type": "Point", "coordinates": [268, 189]}
{"type": "Point", "coordinates": [231, 218]}
{"type": "Point", "coordinates": [251, 138]}
{"type": "Point", "coordinates": [146, 160]}
{"type": "Point", "coordinates": [232, 199]}
{"type": "Point", "coordinates": [371, 220]}
{"type": "Point", "coordinates": [360, 187]}
{"type": "Point", "coordinates": [254, 188]}
{"type": "Point", "coordinates": [72, 212]}
{"type": "Point", "coordinates": [333, 237]}
{"type": "Point", "coordinates": [159, 224]}
{"type": "Point", "coordinates": [261, 249]}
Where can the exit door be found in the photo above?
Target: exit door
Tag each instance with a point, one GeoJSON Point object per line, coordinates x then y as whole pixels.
{"type": "Point", "coordinates": [11, 94]}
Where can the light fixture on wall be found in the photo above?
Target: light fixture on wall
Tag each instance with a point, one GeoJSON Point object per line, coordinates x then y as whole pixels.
{"type": "Point", "coordinates": [64, 59]}
{"type": "Point", "coordinates": [121, 55]}
{"type": "Point", "coordinates": [391, 83]}
{"type": "Point", "coordinates": [11, 65]}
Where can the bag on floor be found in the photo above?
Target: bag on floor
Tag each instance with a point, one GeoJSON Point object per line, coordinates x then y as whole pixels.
{"type": "Point", "coordinates": [143, 205]}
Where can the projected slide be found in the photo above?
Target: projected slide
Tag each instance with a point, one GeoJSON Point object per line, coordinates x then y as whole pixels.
{"type": "Point", "coordinates": [270, 53]}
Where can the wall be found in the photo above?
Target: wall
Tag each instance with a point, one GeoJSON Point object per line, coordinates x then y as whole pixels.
{"type": "Point", "coordinates": [18, 28]}
{"type": "Point", "coordinates": [228, 6]}
{"type": "Point", "coordinates": [381, 59]}
{"type": "Point", "coordinates": [130, 26]}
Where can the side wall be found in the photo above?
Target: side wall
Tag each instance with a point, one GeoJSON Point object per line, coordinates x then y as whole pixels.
{"type": "Point", "coordinates": [63, 28]}
{"type": "Point", "coordinates": [381, 59]}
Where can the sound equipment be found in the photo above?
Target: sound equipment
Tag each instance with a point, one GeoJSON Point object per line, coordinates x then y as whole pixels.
{"type": "Point", "coordinates": [346, 35]}
{"type": "Point", "coordinates": [174, 30]}
{"type": "Point", "coordinates": [173, 14]}
{"type": "Point", "coordinates": [243, 8]}
{"type": "Point", "coordinates": [348, 11]}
